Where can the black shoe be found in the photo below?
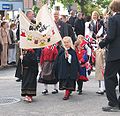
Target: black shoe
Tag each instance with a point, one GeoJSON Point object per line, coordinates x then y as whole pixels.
{"type": "Point", "coordinates": [18, 80]}
{"type": "Point", "coordinates": [54, 91]}
{"type": "Point", "coordinates": [79, 92]}
{"type": "Point", "coordinates": [10, 63]}
{"type": "Point", "coordinates": [111, 109]}
{"type": "Point", "coordinates": [45, 92]}
{"type": "Point", "coordinates": [13, 63]}
{"type": "Point", "coordinates": [100, 92]}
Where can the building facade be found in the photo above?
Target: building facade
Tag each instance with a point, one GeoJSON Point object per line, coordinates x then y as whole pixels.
{"type": "Point", "coordinates": [12, 7]}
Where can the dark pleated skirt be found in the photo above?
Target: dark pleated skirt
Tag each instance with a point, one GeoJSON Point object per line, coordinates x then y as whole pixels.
{"type": "Point", "coordinates": [42, 80]}
{"type": "Point", "coordinates": [29, 83]}
{"type": "Point", "coordinates": [68, 84]}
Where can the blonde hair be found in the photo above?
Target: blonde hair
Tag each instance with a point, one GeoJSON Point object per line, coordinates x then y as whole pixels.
{"type": "Point", "coordinates": [78, 41]}
{"type": "Point", "coordinates": [68, 39]}
{"type": "Point", "coordinates": [95, 12]}
{"type": "Point", "coordinates": [80, 37]}
{"type": "Point", "coordinates": [115, 5]}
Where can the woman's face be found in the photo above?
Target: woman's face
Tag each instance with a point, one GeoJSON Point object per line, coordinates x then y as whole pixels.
{"type": "Point", "coordinates": [67, 43]}
{"type": "Point", "coordinates": [94, 16]}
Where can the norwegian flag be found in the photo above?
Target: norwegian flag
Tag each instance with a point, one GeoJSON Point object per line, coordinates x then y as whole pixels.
{"type": "Point", "coordinates": [84, 42]}
{"type": "Point", "coordinates": [89, 39]}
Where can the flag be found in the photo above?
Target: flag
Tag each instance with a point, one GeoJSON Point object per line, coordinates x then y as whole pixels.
{"type": "Point", "coordinates": [43, 33]}
{"type": "Point", "coordinates": [89, 39]}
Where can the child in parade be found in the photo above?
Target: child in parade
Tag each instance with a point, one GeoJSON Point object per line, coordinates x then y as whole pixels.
{"type": "Point", "coordinates": [99, 68]}
{"type": "Point", "coordinates": [83, 58]}
{"type": "Point", "coordinates": [47, 76]}
{"type": "Point", "coordinates": [66, 67]}
{"type": "Point", "coordinates": [29, 74]}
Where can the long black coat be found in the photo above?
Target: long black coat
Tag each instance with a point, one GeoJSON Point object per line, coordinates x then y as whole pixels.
{"type": "Point", "coordinates": [113, 38]}
{"type": "Point", "coordinates": [63, 69]}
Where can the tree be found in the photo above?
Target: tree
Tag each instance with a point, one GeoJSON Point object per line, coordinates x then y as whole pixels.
{"type": "Point", "coordinates": [103, 3]}
{"type": "Point", "coordinates": [86, 6]}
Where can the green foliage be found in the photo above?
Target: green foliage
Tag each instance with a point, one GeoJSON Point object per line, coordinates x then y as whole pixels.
{"type": "Point", "coordinates": [103, 3]}
{"type": "Point", "coordinates": [66, 2]}
{"type": "Point", "coordinates": [86, 6]}
{"type": "Point", "coordinates": [35, 9]}
{"type": "Point", "coordinates": [89, 8]}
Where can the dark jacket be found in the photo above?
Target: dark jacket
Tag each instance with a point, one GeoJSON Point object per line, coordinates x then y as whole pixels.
{"type": "Point", "coordinates": [63, 69]}
{"type": "Point", "coordinates": [113, 38]}
{"type": "Point", "coordinates": [12, 37]}
{"type": "Point", "coordinates": [79, 27]}
{"type": "Point", "coordinates": [71, 33]}
{"type": "Point", "coordinates": [72, 21]}
{"type": "Point", "coordinates": [62, 27]}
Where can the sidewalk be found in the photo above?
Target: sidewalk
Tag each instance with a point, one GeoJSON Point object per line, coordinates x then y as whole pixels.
{"type": "Point", "coordinates": [87, 104]}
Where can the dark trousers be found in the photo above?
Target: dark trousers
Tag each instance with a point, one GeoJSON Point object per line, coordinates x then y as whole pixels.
{"type": "Point", "coordinates": [111, 70]}
{"type": "Point", "coordinates": [80, 85]}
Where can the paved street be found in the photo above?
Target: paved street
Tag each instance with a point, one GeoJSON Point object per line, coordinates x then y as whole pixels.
{"type": "Point", "coordinates": [88, 104]}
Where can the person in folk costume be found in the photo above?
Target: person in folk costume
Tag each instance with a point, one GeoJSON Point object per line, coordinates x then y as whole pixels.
{"type": "Point", "coordinates": [67, 67]}
{"type": "Point", "coordinates": [29, 74]}
{"type": "Point", "coordinates": [99, 69]}
{"type": "Point", "coordinates": [47, 75]}
{"type": "Point", "coordinates": [31, 18]}
{"type": "Point", "coordinates": [83, 58]}
{"type": "Point", "coordinates": [96, 25]}
{"type": "Point", "coordinates": [97, 28]}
